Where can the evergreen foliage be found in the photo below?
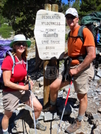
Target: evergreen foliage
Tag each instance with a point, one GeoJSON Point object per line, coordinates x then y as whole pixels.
{"type": "Point", "coordinates": [89, 6]}
{"type": "Point", "coordinates": [21, 14]}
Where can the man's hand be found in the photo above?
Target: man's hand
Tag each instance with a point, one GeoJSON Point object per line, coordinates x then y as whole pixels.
{"type": "Point", "coordinates": [73, 71]}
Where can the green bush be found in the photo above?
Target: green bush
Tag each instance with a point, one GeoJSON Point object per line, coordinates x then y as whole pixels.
{"type": "Point", "coordinates": [5, 30]}
{"type": "Point", "coordinates": [66, 37]}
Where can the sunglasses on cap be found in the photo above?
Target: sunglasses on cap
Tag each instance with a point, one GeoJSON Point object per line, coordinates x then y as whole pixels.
{"type": "Point", "coordinates": [70, 17]}
{"type": "Point", "coordinates": [21, 43]}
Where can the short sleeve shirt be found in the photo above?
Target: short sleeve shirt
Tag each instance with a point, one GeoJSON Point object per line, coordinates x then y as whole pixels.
{"type": "Point", "coordinates": [76, 46]}
{"type": "Point", "coordinates": [19, 70]}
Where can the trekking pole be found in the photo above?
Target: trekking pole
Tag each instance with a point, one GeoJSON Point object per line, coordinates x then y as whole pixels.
{"type": "Point", "coordinates": [51, 123]}
{"type": "Point", "coordinates": [64, 106]}
{"type": "Point", "coordinates": [32, 108]}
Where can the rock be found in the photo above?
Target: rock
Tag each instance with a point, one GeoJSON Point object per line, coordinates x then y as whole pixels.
{"type": "Point", "coordinates": [99, 110]}
{"type": "Point", "coordinates": [97, 130]}
{"type": "Point", "coordinates": [50, 116]}
{"type": "Point", "coordinates": [92, 119]}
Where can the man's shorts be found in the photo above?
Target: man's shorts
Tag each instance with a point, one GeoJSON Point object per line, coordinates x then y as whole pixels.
{"type": "Point", "coordinates": [12, 99]}
{"type": "Point", "coordinates": [81, 80]}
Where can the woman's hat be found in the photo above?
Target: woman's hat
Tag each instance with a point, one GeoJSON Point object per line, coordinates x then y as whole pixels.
{"type": "Point", "coordinates": [19, 38]}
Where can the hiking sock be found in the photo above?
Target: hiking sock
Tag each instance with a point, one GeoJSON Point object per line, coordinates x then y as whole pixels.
{"type": "Point", "coordinates": [52, 102]}
{"type": "Point", "coordinates": [36, 121]}
{"type": "Point", "coordinates": [80, 117]}
{"type": "Point", "coordinates": [5, 131]}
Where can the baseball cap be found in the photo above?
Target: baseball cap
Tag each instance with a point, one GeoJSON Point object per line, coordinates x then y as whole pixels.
{"type": "Point", "coordinates": [71, 11]}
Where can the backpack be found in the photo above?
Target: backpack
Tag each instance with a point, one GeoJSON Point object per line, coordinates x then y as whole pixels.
{"type": "Point", "coordinates": [93, 23]}
{"type": "Point", "coordinates": [5, 50]}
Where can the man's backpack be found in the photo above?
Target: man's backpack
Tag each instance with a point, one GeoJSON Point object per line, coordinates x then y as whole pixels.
{"type": "Point", "coordinates": [5, 50]}
{"type": "Point", "coordinates": [93, 23]}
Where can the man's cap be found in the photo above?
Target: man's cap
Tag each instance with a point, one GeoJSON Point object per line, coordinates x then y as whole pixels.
{"type": "Point", "coordinates": [19, 38]}
{"type": "Point", "coordinates": [71, 11]}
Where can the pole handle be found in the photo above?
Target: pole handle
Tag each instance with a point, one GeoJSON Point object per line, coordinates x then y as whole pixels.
{"type": "Point", "coordinates": [68, 93]}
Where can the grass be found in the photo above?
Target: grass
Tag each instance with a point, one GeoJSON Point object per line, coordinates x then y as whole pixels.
{"type": "Point", "coordinates": [5, 31]}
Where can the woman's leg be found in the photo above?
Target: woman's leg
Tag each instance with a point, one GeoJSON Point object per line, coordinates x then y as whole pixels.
{"type": "Point", "coordinates": [36, 104]}
{"type": "Point", "coordinates": [5, 120]}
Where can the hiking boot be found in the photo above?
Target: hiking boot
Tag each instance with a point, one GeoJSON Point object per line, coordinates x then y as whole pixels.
{"type": "Point", "coordinates": [49, 108]}
{"type": "Point", "coordinates": [73, 127]}
{"type": "Point", "coordinates": [40, 126]}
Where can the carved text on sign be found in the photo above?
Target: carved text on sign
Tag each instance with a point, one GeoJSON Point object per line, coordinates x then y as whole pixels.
{"type": "Point", "coordinates": [50, 34]}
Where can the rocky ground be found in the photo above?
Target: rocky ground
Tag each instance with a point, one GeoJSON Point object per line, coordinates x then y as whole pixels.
{"type": "Point", "coordinates": [21, 122]}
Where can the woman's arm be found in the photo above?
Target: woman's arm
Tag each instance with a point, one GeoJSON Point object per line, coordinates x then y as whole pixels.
{"type": "Point", "coordinates": [8, 83]}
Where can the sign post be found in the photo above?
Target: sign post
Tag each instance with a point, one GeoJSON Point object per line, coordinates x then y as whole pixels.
{"type": "Point", "coordinates": [50, 38]}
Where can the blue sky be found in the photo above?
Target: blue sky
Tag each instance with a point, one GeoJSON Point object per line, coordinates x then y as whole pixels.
{"type": "Point", "coordinates": [66, 1]}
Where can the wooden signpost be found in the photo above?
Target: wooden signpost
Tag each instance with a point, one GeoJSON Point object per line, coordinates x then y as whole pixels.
{"type": "Point", "coordinates": [50, 39]}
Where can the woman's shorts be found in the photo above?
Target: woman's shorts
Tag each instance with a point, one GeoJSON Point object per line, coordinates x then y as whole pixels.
{"type": "Point", "coordinates": [12, 99]}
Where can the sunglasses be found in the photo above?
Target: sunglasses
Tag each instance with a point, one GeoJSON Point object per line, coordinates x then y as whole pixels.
{"type": "Point", "coordinates": [70, 17]}
{"type": "Point", "coordinates": [20, 43]}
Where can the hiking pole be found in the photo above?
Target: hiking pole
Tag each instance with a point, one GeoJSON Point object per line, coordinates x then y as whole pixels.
{"type": "Point", "coordinates": [51, 123]}
{"type": "Point", "coordinates": [64, 106]}
{"type": "Point", "coordinates": [32, 108]}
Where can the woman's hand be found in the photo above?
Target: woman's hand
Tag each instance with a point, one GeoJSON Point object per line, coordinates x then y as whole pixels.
{"type": "Point", "coordinates": [31, 84]}
{"type": "Point", "coordinates": [26, 87]}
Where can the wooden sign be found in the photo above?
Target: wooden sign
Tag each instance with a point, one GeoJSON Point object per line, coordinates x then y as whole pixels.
{"type": "Point", "coordinates": [50, 34]}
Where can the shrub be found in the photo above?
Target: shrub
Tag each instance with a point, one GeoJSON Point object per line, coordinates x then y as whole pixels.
{"type": "Point", "coordinates": [6, 30]}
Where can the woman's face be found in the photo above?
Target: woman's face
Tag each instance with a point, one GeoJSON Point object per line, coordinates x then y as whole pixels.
{"type": "Point", "coordinates": [71, 21]}
{"type": "Point", "coordinates": [20, 47]}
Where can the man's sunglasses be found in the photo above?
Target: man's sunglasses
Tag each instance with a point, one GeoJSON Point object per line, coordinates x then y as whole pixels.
{"type": "Point", "coordinates": [20, 43]}
{"type": "Point", "coordinates": [70, 17]}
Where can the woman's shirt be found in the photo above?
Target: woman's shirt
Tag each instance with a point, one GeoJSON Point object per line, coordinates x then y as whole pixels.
{"type": "Point", "coordinates": [20, 71]}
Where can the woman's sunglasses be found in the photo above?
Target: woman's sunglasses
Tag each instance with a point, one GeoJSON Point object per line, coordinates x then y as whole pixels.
{"type": "Point", "coordinates": [20, 43]}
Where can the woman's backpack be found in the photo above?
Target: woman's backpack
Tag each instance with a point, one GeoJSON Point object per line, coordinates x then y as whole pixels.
{"type": "Point", "coordinates": [5, 50]}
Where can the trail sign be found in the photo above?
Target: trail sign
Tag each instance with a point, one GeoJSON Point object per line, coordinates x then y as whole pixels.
{"type": "Point", "coordinates": [50, 34]}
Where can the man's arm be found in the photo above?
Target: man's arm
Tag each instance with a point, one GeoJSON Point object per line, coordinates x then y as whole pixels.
{"type": "Point", "coordinates": [91, 54]}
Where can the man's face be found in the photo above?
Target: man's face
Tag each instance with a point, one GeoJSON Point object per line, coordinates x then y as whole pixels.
{"type": "Point", "coordinates": [71, 20]}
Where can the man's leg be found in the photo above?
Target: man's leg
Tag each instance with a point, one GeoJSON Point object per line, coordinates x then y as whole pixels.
{"type": "Point", "coordinates": [82, 108]}
{"type": "Point", "coordinates": [54, 88]}
{"type": "Point", "coordinates": [83, 104]}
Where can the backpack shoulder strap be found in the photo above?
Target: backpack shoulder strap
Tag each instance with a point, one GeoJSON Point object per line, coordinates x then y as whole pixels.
{"type": "Point", "coordinates": [13, 59]}
{"type": "Point", "coordinates": [27, 65]}
{"type": "Point", "coordinates": [69, 34]}
{"type": "Point", "coordinates": [25, 62]}
{"type": "Point", "coordinates": [80, 33]}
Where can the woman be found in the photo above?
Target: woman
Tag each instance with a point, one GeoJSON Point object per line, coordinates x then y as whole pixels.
{"type": "Point", "coordinates": [15, 88]}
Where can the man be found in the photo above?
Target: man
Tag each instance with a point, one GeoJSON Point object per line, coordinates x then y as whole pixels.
{"type": "Point", "coordinates": [81, 71]}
